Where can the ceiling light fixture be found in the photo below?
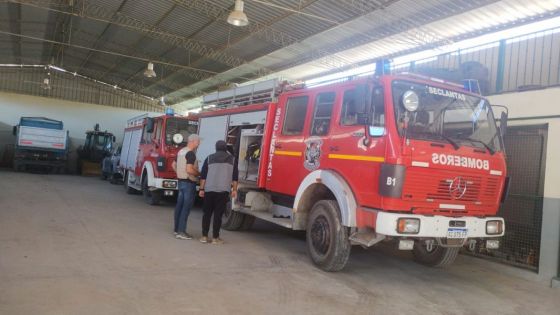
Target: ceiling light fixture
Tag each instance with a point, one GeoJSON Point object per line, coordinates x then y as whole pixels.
{"type": "Point", "coordinates": [150, 73]}
{"type": "Point", "coordinates": [237, 17]}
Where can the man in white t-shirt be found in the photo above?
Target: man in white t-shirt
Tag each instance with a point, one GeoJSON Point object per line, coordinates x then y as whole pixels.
{"type": "Point", "coordinates": [187, 171]}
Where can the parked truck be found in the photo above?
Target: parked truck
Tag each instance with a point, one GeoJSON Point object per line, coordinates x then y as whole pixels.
{"type": "Point", "coordinates": [407, 159]}
{"type": "Point", "coordinates": [41, 143]}
{"type": "Point", "coordinates": [149, 148]}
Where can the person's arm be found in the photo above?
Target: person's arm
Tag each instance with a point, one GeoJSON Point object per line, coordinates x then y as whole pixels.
{"type": "Point", "coordinates": [174, 166]}
{"type": "Point", "coordinates": [191, 170]}
{"type": "Point", "coordinates": [191, 159]}
{"type": "Point", "coordinates": [203, 175]}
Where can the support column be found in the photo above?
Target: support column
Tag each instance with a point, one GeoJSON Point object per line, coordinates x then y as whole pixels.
{"type": "Point", "coordinates": [501, 65]}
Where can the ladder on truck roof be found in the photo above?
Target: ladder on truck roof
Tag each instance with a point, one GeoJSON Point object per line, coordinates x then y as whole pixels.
{"type": "Point", "coordinates": [257, 93]}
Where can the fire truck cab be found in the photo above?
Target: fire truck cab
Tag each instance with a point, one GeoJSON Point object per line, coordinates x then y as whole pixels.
{"type": "Point", "coordinates": [403, 158]}
{"type": "Point", "coordinates": [149, 148]}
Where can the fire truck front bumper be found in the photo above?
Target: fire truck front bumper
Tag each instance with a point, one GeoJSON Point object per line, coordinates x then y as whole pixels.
{"type": "Point", "coordinates": [438, 227]}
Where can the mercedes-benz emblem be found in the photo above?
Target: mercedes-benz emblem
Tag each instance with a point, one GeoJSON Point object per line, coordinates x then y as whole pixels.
{"type": "Point", "coordinates": [457, 187]}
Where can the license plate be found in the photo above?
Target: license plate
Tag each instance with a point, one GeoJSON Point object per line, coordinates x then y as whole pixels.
{"type": "Point", "coordinates": [457, 233]}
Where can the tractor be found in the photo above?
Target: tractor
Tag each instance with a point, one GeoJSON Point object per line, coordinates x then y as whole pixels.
{"type": "Point", "coordinates": [98, 144]}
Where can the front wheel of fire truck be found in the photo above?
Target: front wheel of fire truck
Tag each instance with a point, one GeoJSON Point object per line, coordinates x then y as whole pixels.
{"type": "Point", "coordinates": [152, 197]}
{"type": "Point", "coordinates": [327, 239]}
{"type": "Point", "coordinates": [435, 255]}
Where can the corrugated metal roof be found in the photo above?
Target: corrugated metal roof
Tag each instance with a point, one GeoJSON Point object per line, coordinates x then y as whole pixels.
{"type": "Point", "coordinates": [308, 37]}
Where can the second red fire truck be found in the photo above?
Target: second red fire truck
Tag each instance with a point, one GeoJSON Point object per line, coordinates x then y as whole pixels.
{"type": "Point", "coordinates": [149, 148]}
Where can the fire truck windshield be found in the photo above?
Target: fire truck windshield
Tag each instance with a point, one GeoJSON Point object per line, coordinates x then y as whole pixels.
{"type": "Point", "coordinates": [446, 115]}
{"type": "Point", "coordinates": [177, 125]}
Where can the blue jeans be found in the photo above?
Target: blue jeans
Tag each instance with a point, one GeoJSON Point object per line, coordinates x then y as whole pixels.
{"type": "Point", "coordinates": [185, 201]}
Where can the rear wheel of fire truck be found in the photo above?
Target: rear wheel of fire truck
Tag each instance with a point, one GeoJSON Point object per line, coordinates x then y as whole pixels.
{"type": "Point", "coordinates": [152, 197]}
{"type": "Point", "coordinates": [232, 220]}
{"type": "Point", "coordinates": [327, 239]}
{"type": "Point", "coordinates": [436, 257]}
{"type": "Point", "coordinates": [129, 190]}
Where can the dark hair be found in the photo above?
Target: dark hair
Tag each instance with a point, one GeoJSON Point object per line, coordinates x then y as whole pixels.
{"type": "Point", "coordinates": [221, 145]}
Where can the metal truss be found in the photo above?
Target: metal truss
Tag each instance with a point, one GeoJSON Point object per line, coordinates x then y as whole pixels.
{"type": "Point", "coordinates": [87, 9]}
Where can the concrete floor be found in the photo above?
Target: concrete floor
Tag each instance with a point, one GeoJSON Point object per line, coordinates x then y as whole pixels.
{"type": "Point", "coordinates": [73, 245]}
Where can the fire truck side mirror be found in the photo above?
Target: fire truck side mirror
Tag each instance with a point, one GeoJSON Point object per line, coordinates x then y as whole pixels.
{"type": "Point", "coordinates": [14, 130]}
{"type": "Point", "coordinates": [149, 125]}
{"type": "Point", "coordinates": [503, 123]}
{"type": "Point", "coordinates": [361, 100]}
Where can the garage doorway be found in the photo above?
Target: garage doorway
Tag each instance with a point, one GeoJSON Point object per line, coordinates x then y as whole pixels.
{"type": "Point", "coordinates": [522, 210]}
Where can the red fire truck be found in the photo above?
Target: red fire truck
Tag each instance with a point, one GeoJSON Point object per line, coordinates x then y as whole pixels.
{"type": "Point", "coordinates": [400, 158]}
{"type": "Point", "coordinates": [149, 148]}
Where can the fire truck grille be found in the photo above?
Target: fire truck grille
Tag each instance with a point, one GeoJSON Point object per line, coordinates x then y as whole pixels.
{"type": "Point", "coordinates": [430, 185]}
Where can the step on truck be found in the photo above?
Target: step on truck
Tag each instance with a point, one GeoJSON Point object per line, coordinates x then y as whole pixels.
{"type": "Point", "coordinates": [406, 159]}
{"type": "Point", "coordinates": [150, 146]}
{"type": "Point", "coordinates": [41, 143]}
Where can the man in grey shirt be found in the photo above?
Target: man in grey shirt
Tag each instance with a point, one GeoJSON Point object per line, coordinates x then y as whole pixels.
{"type": "Point", "coordinates": [217, 179]}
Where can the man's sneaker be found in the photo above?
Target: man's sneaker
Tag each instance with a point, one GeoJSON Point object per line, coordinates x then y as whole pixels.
{"type": "Point", "coordinates": [188, 236]}
{"type": "Point", "coordinates": [175, 233]}
{"type": "Point", "coordinates": [204, 239]}
{"type": "Point", "coordinates": [181, 237]}
{"type": "Point", "coordinates": [217, 241]}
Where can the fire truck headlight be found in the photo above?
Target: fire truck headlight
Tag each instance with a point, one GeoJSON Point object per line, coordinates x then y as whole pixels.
{"type": "Point", "coordinates": [408, 226]}
{"type": "Point", "coordinates": [169, 184]}
{"type": "Point", "coordinates": [410, 101]}
{"type": "Point", "coordinates": [494, 227]}
{"type": "Point", "coordinates": [178, 138]}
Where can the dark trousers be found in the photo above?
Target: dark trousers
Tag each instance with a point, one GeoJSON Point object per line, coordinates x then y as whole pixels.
{"type": "Point", "coordinates": [185, 200]}
{"type": "Point", "coordinates": [214, 203]}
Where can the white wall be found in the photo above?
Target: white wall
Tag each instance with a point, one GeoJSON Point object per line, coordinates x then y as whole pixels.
{"type": "Point", "coordinates": [541, 107]}
{"type": "Point", "coordinates": [77, 117]}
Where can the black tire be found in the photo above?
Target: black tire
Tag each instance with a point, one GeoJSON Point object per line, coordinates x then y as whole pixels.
{"type": "Point", "coordinates": [152, 197]}
{"type": "Point", "coordinates": [232, 220]}
{"type": "Point", "coordinates": [327, 240]}
{"type": "Point", "coordinates": [247, 222]}
{"type": "Point", "coordinates": [439, 257]}
{"type": "Point", "coordinates": [129, 190]}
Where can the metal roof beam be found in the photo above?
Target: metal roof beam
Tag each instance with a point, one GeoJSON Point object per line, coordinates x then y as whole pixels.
{"type": "Point", "coordinates": [63, 44]}
{"type": "Point", "coordinates": [86, 9]}
{"type": "Point", "coordinates": [98, 40]}
{"type": "Point", "coordinates": [262, 30]}
{"type": "Point", "coordinates": [134, 46]}
{"type": "Point", "coordinates": [401, 25]}
{"type": "Point", "coordinates": [194, 75]}
{"type": "Point", "coordinates": [15, 27]}
{"type": "Point", "coordinates": [322, 56]}
{"type": "Point", "coordinates": [255, 28]}
{"type": "Point", "coordinates": [169, 65]}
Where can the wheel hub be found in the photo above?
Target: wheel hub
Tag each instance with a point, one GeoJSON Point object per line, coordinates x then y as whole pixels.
{"type": "Point", "coordinates": [320, 235]}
